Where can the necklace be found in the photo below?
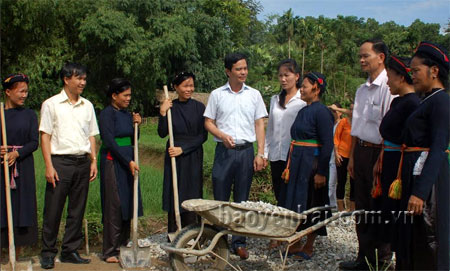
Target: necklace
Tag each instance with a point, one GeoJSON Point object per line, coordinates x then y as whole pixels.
{"type": "Point", "coordinates": [431, 95]}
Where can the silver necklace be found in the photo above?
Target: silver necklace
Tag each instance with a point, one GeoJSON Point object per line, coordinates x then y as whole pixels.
{"type": "Point", "coordinates": [431, 95]}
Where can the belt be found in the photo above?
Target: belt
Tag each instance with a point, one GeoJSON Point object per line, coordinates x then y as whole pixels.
{"type": "Point", "coordinates": [395, 189]}
{"type": "Point", "coordinates": [301, 143]}
{"type": "Point", "coordinates": [121, 141]}
{"type": "Point", "coordinates": [385, 146]}
{"type": "Point", "coordinates": [239, 147]}
{"type": "Point", "coordinates": [364, 143]}
{"type": "Point", "coordinates": [390, 146]}
{"type": "Point", "coordinates": [74, 157]}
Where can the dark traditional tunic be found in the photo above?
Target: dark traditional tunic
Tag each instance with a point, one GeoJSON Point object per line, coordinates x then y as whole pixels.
{"type": "Point", "coordinates": [189, 134]}
{"type": "Point", "coordinates": [113, 124]}
{"type": "Point", "coordinates": [21, 130]}
{"type": "Point", "coordinates": [314, 121]}
{"type": "Point", "coordinates": [423, 241]}
{"type": "Point", "coordinates": [391, 128]}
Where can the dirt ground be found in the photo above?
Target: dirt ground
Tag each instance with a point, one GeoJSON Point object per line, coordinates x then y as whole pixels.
{"type": "Point", "coordinates": [96, 265]}
{"type": "Point", "coordinates": [152, 226]}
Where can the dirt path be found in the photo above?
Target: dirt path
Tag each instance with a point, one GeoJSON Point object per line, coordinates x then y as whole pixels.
{"type": "Point", "coordinates": [151, 158]}
{"type": "Point", "coordinates": [95, 265]}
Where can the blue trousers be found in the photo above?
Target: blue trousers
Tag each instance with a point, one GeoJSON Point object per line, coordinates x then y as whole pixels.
{"type": "Point", "coordinates": [233, 171]}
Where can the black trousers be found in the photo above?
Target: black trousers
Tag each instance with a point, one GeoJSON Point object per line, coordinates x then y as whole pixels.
{"type": "Point", "coordinates": [73, 184]}
{"type": "Point", "coordinates": [116, 231]}
{"type": "Point", "coordinates": [342, 180]}
{"type": "Point", "coordinates": [366, 225]}
{"type": "Point", "coordinates": [233, 171]}
{"type": "Point", "coordinates": [277, 168]}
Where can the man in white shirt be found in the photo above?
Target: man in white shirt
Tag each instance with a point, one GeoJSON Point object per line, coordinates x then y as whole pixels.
{"type": "Point", "coordinates": [234, 115]}
{"type": "Point", "coordinates": [68, 126]}
{"type": "Point", "coordinates": [372, 101]}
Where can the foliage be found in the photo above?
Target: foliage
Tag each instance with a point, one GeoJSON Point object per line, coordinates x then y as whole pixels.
{"type": "Point", "coordinates": [149, 41]}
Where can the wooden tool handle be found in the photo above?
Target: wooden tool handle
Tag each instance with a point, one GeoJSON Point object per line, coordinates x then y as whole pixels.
{"type": "Point", "coordinates": [135, 189]}
{"type": "Point", "coordinates": [12, 249]}
{"type": "Point", "coordinates": [176, 203]}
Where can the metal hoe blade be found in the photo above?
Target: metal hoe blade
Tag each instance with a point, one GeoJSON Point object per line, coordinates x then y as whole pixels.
{"type": "Point", "coordinates": [134, 257]}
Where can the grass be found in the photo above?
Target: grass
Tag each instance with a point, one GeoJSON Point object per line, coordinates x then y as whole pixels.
{"type": "Point", "coordinates": [150, 182]}
{"type": "Point", "coordinates": [151, 154]}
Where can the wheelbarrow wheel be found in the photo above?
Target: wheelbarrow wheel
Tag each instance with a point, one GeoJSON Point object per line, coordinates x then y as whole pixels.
{"type": "Point", "coordinates": [186, 237]}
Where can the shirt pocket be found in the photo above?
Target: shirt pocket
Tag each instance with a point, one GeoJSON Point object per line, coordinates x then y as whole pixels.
{"type": "Point", "coordinates": [247, 108]}
{"type": "Point", "coordinates": [84, 123]}
{"type": "Point", "coordinates": [374, 110]}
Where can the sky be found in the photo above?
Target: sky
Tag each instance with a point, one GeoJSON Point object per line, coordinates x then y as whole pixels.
{"type": "Point", "coordinates": [402, 12]}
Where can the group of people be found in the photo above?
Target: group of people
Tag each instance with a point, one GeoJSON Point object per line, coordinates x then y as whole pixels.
{"type": "Point", "coordinates": [393, 143]}
{"type": "Point", "coordinates": [68, 126]}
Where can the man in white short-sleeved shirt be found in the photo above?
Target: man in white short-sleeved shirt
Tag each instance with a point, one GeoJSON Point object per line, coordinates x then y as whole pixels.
{"type": "Point", "coordinates": [68, 126]}
{"type": "Point", "coordinates": [372, 101]}
{"type": "Point", "coordinates": [235, 116]}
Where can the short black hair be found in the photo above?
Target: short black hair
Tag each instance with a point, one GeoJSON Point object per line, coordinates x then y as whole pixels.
{"type": "Point", "coordinates": [379, 47]}
{"type": "Point", "coordinates": [71, 68]}
{"type": "Point", "coordinates": [180, 77]}
{"type": "Point", "coordinates": [117, 85]}
{"type": "Point", "coordinates": [232, 58]}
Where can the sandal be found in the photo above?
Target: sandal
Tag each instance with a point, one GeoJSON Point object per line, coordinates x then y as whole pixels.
{"type": "Point", "coordinates": [112, 259]}
{"type": "Point", "coordinates": [300, 256]}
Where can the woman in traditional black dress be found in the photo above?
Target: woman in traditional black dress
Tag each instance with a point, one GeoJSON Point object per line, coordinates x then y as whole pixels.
{"type": "Point", "coordinates": [306, 183]}
{"type": "Point", "coordinates": [189, 134]}
{"type": "Point", "coordinates": [391, 127]}
{"type": "Point", "coordinates": [423, 235]}
{"type": "Point", "coordinates": [23, 139]}
{"type": "Point", "coordinates": [117, 168]}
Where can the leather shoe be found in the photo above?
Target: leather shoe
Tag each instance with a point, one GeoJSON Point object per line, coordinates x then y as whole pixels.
{"type": "Point", "coordinates": [353, 265]}
{"type": "Point", "coordinates": [242, 253]}
{"type": "Point", "coordinates": [48, 262]}
{"type": "Point", "coordinates": [73, 257]}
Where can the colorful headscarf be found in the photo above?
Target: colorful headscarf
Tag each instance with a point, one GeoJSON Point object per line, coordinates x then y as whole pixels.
{"type": "Point", "coordinates": [14, 78]}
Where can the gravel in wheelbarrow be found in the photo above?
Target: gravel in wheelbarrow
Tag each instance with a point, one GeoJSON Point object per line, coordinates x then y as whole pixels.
{"type": "Point", "coordinates": [254, 218]}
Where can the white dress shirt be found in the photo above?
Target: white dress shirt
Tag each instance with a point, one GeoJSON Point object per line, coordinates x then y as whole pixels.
{"type": "Point", "coordinates": [235, 112]}
{"type": "Point", "coordinates": [278, 133]}
{"type": "Point", "coordinates": [70, 125]}
{"type": "Point", "coordinates": [372, 101]}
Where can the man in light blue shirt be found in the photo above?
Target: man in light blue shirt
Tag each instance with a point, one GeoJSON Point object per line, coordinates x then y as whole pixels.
{"type": "Point", "coordinates": [235, 116]}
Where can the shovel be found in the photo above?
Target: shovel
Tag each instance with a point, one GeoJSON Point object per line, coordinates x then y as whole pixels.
{"type": "Point", "coordinates": [135, 257]}
{"type": "Point", "coordinates": [12, 247]}
{"type": "Point", "coordinates": [176, 203]}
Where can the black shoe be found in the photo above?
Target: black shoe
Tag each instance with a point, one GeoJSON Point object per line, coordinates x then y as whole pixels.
{"type": "Point", "coordinates": [48, 262]}
{"type": "Point", "coordinates": [353, 265]}
{"type": "Point", "coordinates": [73, 257]}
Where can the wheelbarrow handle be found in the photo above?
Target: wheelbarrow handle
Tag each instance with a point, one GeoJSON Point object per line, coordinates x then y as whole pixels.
{"type": "Point", "coordinates": [294, 238]}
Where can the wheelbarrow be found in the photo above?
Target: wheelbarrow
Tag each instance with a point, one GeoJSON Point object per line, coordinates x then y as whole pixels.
{"type": "Point", "coordinates": [205, 247]}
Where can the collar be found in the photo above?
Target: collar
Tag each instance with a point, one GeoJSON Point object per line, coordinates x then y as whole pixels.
{"type": "Point", "coordinates": [64, 98]}
{"type": "Point", "coordinates": [228, 87]}
{"type": "Point", "coordinates": [296, 96]}
{"type": "Point", "coordinates": [430, 94]}
{"type": "Point", "coordinates": [379, 80]}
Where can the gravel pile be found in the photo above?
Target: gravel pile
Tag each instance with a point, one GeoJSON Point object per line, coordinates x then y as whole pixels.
{"type": "Point", "coordinates": [264, 207]}
{"type": "Point", "coordinates": [340, 244]}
